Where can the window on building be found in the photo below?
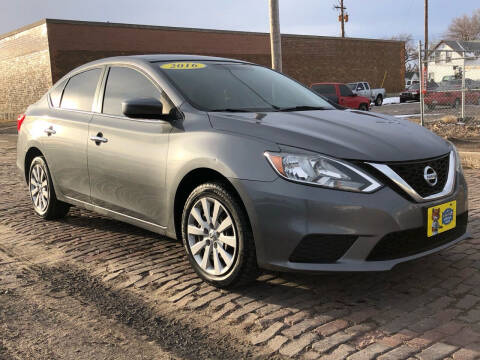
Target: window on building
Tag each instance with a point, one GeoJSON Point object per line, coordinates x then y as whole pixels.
{"type": "Point", "coordinates": [80, 91]}
{"type": "Point", "coordinates": [448, 56]}
{"type": "Point", "coordinates": [124, 83]}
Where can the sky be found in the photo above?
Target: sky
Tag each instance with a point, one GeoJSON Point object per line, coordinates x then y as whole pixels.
{"type": "Point", "coordinates": [367, 18]}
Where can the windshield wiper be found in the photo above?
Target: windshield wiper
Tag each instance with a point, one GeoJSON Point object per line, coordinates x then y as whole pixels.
{"type": "Point", "coordinates": [302, 108]}
{"type": "Point", "coordinates": [231, 110]}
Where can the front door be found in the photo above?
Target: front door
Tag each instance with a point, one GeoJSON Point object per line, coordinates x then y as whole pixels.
{"type": "Point", "coordinates": [127, 157]}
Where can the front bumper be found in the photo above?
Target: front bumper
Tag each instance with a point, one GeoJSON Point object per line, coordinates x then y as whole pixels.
{"type": "Point", "coordinates": [283, 213]}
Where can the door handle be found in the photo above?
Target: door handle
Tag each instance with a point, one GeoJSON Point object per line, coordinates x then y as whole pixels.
{"type": "Point", "coordinates": [50, 131]}
{"type": "Point", "coordinates": [99, 139]}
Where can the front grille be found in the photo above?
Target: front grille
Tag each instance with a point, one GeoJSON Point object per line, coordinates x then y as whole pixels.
{"type": "Point", "coordinates": [318, 248]}
{"type": "Point", "coordinates": [410, 242]}
{"type": "Point", "coordinates": [412, 173]}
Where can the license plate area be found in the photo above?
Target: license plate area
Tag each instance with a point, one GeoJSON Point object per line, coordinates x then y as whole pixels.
{"type": "Point", "coordinates": [441, 218]}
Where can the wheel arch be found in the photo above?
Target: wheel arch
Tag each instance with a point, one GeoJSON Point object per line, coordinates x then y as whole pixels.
{"type": "Point", "coordinates": [189, 182]}
{"type": "Point", "coordinates": [31, 154]}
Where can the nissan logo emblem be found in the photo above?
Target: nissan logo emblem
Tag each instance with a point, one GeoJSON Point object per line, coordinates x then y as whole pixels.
{"type": "Point", "coordinates": [430, 176]}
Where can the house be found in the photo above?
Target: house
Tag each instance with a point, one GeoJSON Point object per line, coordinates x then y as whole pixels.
{"type": "Point", "coordinates": [450, 57]}
{"type": "Point", "coordinates": [411, 77]}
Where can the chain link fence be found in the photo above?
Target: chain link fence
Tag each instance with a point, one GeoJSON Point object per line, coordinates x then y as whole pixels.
{"type": "Point", "coordinates": [452, 91]}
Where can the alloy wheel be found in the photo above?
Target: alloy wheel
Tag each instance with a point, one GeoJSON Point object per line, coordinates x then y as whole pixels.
{"type": "Point", "coordinates": [212, 238]}
{"type": "Point", "coordinates": [39, 189]}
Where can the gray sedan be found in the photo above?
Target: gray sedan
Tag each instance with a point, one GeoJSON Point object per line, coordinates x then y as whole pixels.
{"type": "Point", "coordinates": [250, 169]}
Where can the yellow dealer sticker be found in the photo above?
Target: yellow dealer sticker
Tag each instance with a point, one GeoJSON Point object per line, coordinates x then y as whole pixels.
{"type": "Point", "coordinates": [183, 66]}
{"type": "Point", "coordinates": [441, 218]}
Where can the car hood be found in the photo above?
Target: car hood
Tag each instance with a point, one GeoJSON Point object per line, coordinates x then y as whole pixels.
{"type": "Point", "coordinates": [348, 134]}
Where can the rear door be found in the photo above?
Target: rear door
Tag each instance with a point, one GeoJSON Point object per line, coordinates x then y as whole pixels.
{"type": "Point", "coordinates": [66, 133]}
{"type": "Point", "coordinates": [127, 170]}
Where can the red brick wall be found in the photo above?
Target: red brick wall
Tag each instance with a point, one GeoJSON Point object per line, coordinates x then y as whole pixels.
{"type": "Point", "coordinates": [306, 58]}
{"type": "Point", "coordinates": [24, 70]}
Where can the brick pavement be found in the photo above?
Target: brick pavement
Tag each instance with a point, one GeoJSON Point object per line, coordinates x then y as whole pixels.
{"type": "Point", "coordinates": [425, 309]}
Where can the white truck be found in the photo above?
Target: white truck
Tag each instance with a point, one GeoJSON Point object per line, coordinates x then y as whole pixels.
{"type": "Point", "coordinates": [363, 88]}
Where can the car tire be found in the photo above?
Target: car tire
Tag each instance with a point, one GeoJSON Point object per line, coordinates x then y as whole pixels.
{"type": "Point", "coordinates": [220, 245]}
{"type": "Point", "coordinates": [379, 100]}
{"type": "Point", "coordinates": [363, 107]}
{"type": "Point", "coordinates": [42, 192]}
{"type": "Point", "coordinates": [402, 100]}
{"type": "Point", "coordinates": [430, 106]}
{"type": "Point", "coordinates": [456, 104]}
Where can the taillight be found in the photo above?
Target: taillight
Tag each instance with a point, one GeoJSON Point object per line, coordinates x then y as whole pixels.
{"type": "Point", "coordinates": [20, 119]}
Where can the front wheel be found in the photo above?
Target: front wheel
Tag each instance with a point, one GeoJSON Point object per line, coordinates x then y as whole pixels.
{"type": "Point", "coordinates": [217, 236]}
{"type": "Point", "coordinates": [42, 193]}
{"type": "Point", "coordinates": [363, 107]}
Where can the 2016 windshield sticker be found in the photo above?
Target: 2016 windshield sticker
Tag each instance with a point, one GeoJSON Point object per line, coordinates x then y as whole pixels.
{"type": "Point", "coordinates": [183, 66]}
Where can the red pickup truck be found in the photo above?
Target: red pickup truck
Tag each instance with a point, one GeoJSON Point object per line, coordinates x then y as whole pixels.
{"type": "Point", "coordinates": [341, 94]}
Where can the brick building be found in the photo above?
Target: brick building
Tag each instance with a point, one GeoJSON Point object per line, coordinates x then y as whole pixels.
{"type": "Point", "coordinates": [34, 57]}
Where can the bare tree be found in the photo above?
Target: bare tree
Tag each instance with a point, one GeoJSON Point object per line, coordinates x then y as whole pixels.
{"type": "Point", "coordinates": [411, 51]}
{"type": "Point", "coordinates": [465, 27]}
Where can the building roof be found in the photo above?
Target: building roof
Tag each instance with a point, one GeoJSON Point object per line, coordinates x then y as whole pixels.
{"type": "Point", "coordinates": [462, 46]}
{"type": "Point", "coordinates": [172, 28]}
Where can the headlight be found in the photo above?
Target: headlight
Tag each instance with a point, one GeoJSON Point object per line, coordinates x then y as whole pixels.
{"type": "Point", "coordinates": [458, 161]}
{"type": "Point", "coordinates": [321, 171]}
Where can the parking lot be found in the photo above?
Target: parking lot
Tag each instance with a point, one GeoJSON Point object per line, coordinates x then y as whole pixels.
{"type": "Point", "coordinates": [88, 287]}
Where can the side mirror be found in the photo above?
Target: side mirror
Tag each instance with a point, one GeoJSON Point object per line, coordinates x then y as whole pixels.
{"type": "Point", "coordinates": [144, 108]}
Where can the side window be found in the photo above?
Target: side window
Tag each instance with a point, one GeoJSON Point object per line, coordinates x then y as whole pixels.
{"type": "Point", "coordinates": [324, 89]}
{"type": "Point", "coordinates": [360, 86]}
{"type": "Point", "coordinates": [124, 83]}
{"type": "Point", "coordinates": [80, 90]}
{"type": "Point", "coordinates": [367, 86]}
{"type": "Point", "coordinates": [56, 93]}
{"type": "Point", "coordinates": [345, 90]}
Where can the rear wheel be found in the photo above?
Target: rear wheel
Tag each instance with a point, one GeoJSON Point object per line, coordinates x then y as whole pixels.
{"type": "Point", "coordinates": [379, 100]}
{"type": "Point", "coordinates": [42, 193]}
{"type": "Point", "coordinates": [217, 236]}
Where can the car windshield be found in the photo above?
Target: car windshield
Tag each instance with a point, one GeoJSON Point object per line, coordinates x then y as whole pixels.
{"type": "Point", "coordinates": [221, 86]}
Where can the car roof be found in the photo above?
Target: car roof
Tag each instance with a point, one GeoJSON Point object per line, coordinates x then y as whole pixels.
{"type": "Point", "coordinates": [151, 58]}
{"type": "Point", "coordinates": [328, 83]}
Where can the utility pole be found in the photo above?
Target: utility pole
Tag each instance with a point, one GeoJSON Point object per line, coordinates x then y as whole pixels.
{"type": "Point", "coordinates": [275, 37]}
{"type": "Point", "coordinates": [422, 84]}
{"type": "Point", "coordinates": [342, 17]}
{"type": "Point", "coordinates": [425, 55]}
